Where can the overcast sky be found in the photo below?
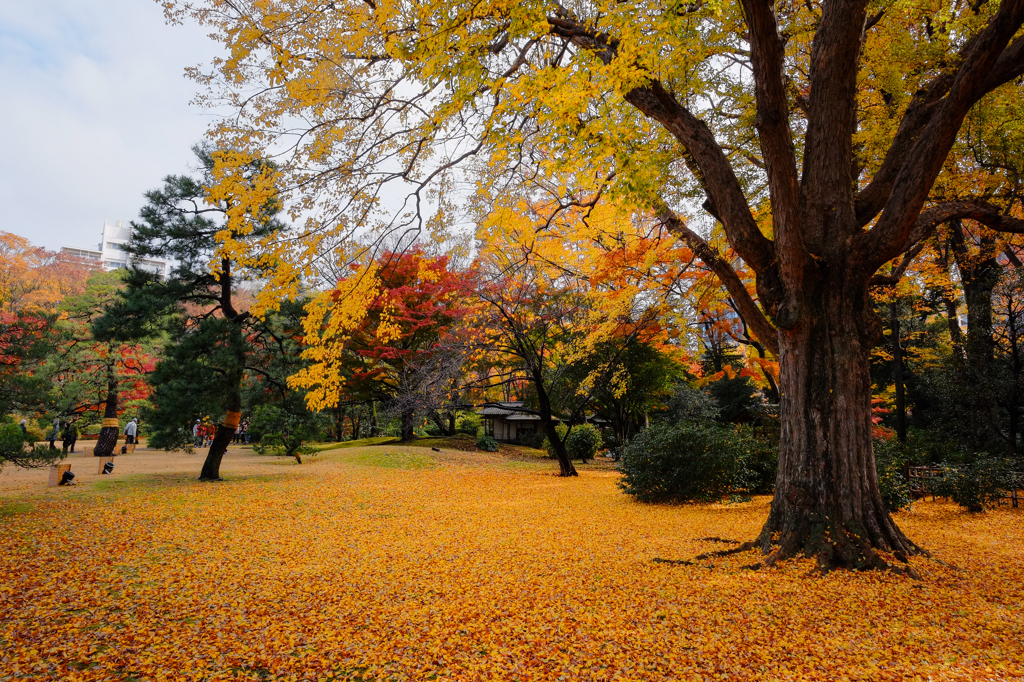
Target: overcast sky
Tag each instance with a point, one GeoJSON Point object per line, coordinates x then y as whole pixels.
{"type": "Point", "coordinates": [95, 110]}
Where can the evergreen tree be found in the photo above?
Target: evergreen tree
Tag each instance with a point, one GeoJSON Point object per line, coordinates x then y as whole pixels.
{"type": "Point", "coordinates": [198, 304]}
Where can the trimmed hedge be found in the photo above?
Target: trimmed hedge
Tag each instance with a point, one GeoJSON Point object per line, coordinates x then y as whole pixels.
{"type": "Point", "coordinates": [687, 462]}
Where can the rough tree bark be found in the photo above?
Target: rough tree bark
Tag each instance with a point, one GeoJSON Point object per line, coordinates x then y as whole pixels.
{"type": "Point", "coordinates": [827, 502]}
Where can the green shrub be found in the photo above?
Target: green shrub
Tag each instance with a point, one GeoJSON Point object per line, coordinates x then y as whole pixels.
{"type": "Point", "coordinates": [890, 463]}
{"type": "Point", "coordinates": [469, 424]}
{"type": "Point", "coordinates": [276, 431]}
{"type": "Point", "coordinates": [689, 461]}
{"type": "Point", "coordinates": [560, 429]}
{"type": "Point", "coordinates": [761, 459]}
{"type": "Point", "coordinates": [977, 485]}
{"type": "Point", "coordinates": [583, 442]}
{"type": "Point", "coordinates": [17, 448]}
{"type": "Point", "coordinates": [487, 444]}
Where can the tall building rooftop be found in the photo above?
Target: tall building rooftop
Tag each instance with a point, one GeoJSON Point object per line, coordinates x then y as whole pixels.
{"type": "Point", "coordinates": [110, 254]}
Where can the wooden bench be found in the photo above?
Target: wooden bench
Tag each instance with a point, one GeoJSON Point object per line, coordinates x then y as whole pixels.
{"type": "Point", "coordinates": [1016, 492]}
{"type": "Point", "coordinates": [920, 478]}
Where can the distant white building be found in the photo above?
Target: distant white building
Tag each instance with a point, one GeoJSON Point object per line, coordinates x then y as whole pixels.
{"type": "Point", "coordinates": [110, 255]}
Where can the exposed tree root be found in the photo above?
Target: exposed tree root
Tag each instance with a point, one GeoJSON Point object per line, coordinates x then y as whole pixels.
{"type": "Point", "coordinates": [745, 547]}
{"type": "Point", "coordinates": [836, 548]}
{"type": "Point", "coordinates": [714, 538]}
{"type": "Point", "coordinates": [831, 549]}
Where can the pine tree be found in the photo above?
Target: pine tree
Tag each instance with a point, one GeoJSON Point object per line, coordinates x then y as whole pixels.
{"type": "Point", "coordinates": [198, 304]}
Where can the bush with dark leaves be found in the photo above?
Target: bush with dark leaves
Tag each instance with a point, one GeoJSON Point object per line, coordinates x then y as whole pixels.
{"type": "Point", "coordinates": [688, 461]}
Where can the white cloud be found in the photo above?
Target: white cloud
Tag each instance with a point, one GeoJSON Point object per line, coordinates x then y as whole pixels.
{"type": "Point", "coordinates": [95, 112]}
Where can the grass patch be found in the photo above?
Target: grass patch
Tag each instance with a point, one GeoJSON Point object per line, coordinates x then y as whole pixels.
{"type": "Point", "coordinates": [361, 443]}
{"type": "Point", "coordinates": [393, 460]}
{"type": "Point", "coordinates": [11, 509]}
{"type": "Point", "coordinates": [461, 442]}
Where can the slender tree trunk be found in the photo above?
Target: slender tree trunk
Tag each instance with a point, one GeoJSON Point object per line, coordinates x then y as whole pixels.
{"type": "Point", "coordinates": [107, 441]}
{"type": "Point", "coordinates": [451, 423]}
{"type": "Point", "coordinates": [232, 407]}
{"type": "Point", "coordinates": [565, 464]}
{"type": "Point", "coordinates": [374, 424]}
{"type": "Point", "coordinates": [827, 503]}
{"type": "Point", "coordinates": [955, 337]}
{"type": "Point", "coordinates": [1014, 401]}
{"type": "Point", "coordinates": [221, 440]}
{"type": "Point", "coordinates": [979, 274]}
{"type": "Point", "coordinates": [897, 373]}
{"type": "Point", "coordinates": [408, 425]}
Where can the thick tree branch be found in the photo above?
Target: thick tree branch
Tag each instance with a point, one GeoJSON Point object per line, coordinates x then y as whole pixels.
{"type": "Point", "coordinates": [767, 51]}
{"type": "Point", "coordinates": [893, 278]}
{"type": "Point", "coordinates": [919, 113]}
{"type": "Point", "coordinates": [703, 155]}
{"type": "Point", "coordinates": [748, 309]}
{"type": "Point", "coordinates": [988, 215]}
{"type": "Point", "coordinates": [924, 162]}
{"type": "Point", "coordinates": [828, 149]}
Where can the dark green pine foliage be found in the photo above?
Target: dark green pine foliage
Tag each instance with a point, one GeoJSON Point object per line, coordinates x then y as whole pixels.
{"type": "Point", "coordinates": [208, 335]}
{"type": "Point", "coordinates": [281, 423]}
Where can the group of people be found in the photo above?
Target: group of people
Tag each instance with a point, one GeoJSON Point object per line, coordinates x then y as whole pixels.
{"type": "Point", "coordinates": [69, 434]}
{"type": "Point", "coordinates": [242, 433]}
{"type": "Point", "coordinates": [204, 431]}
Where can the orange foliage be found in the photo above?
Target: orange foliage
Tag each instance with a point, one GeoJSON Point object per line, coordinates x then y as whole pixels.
{"type": "Point", "coordinates": [32, 278]}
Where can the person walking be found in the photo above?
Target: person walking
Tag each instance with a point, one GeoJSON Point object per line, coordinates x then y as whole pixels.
{"type": "Point", "coordinates": [197, 433]}
{"type": "Point", "coordinates": [54, 434]}
{"type": "Point", "coordinates": [24, 427]}
{"type": "Point", "coordinates": [130, 430]}
{"type": "Point", "coordinates": [70, 436]}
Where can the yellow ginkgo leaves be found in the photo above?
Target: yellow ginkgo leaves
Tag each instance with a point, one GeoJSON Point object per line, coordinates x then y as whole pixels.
{"type": "Point", "coordinates": [479, 572]}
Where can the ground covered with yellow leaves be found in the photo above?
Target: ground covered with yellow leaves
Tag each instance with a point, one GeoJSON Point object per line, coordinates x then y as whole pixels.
{"type": "Point", "coordinates": [367, 565]}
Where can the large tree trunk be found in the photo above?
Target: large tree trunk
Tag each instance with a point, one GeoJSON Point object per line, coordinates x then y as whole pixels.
{"type": "Point", "coordinates": [827, 503]}
{"type": "Point", "coordinates": [107, 441]}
